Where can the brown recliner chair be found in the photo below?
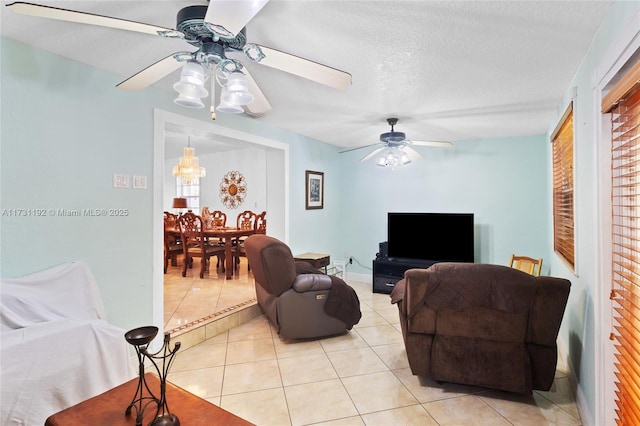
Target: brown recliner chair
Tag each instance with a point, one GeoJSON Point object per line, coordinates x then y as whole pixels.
{"type": "Point", "coordinates": [301, 302]}
{"type": "Point", "coordinates": [482, 325]}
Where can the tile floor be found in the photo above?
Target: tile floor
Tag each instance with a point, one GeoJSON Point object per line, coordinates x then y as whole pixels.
{"type": "Point", "coordinates": [191, 301]}
{"type": "Point", "coordinates": [359, 378]}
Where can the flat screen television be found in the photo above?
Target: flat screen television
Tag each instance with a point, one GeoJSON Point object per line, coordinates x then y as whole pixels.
{"type": "Point", "coordinates": [440, 237]}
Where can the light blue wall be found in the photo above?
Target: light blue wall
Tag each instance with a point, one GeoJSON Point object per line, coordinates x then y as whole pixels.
{"type": "Point", "coordinates": [502, 182]}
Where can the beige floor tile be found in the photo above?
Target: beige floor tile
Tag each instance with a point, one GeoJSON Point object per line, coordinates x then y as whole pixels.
{"type": "Point", "coordinates": [380, 335]}
{"type": "Point", "coordinates": [369, 318]}
{"type": "Point", "coordinates": [390, 315]}
{"type": "Point", "coordinates": [258, 328]}
{"type": "Point", "coordinates": [318, 402]}
{"type": "Point", "coordinates": [251, 376]}
{"type": "Point", "coordinates": [380, 302]}
{"type": "Point", "coordinates": [525, 410]}
{"type": "Point", "coordinates": [427, 390]}
{"type": "Point", "coordinates": [377, 392]}
{"type": "Point", "coordinates": [306, 369]}
{"type": "Point", "coordinates": [356, 361]}
{"type": "Point", "coordinates": [204, 382]}
{"type": "Point", "coordinates": [465, 410]}
{"type": "Point", "coordinates": [200, 356]}
{"type": "Point", "coordinates": [293, 348]}
{"type": "Point", "coordinates": [413, 415]}
{"type": "Point", "coordinates": [561, 394]}
{"type": "Point", "coordinates": [250, 351]}
{"type": "Point", "coordinates": [350, 340]}
{"type": "Point", "coordinates": [394, 356]}
{"type": "Point", "coordinates": [266, 407]}
{"type": "Point", "coordinates": [347, 421]}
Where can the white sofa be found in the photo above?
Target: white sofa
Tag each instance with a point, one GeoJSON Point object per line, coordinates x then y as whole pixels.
{"type": "Point", "coordinates": [57, 348]}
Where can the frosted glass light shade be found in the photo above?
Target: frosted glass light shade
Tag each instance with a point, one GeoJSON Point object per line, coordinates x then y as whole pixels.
{"type": "Point", "coordinates": [191, 86]}
{"type": "Point", "coordinates": [236, 91]}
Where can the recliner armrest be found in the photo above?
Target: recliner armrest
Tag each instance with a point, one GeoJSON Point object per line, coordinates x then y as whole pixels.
{"type": "Point", "coordinates": [311, 282]}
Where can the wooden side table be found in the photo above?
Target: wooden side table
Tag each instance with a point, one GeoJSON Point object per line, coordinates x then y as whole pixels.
{"type": "Point", "coordinates": [108, 409]}
{"type": "Point", "coordinates": [317, 260]}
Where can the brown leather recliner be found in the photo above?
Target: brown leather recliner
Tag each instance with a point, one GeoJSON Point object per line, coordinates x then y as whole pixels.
{"type": "Point", "coordinates": [482, 325]}
{"type": "Point", "coordinates": [301, 302]}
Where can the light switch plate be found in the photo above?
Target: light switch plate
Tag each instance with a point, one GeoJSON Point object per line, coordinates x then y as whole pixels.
{"type": "Point", "coordinates": [120, 181]}
{"type": "Point", "coordinates": [139, 182]}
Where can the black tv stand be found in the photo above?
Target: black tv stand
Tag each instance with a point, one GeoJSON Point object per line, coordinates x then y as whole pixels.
{"type": "Point", "coordinates": [388, 271]}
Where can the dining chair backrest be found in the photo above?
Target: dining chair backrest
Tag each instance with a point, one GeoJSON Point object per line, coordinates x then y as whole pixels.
{"type": "Point", "coordinates": [170, 221]}
{"type": "Point", "coordinates": [219, 218]}
{"type": "Point", "coordinates": [261, 223]}
{"type": "Point", "coordinates": [526, 264]}
{"type": "Point", "coordinates": [191, 230]}
{"type": "Point", "coordinates": [246, 220]}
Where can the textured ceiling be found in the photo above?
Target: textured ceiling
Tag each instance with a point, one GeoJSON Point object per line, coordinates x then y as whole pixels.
{"type": "Point", "coordinates": [451, 70]}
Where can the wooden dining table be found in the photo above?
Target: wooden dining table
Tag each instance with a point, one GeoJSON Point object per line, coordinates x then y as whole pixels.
{"type": "Point", "coordinates": [228, 234]}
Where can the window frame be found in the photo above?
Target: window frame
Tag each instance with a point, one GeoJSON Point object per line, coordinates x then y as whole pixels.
{"type": "Point", "coordinates": [564, 227]}
{"type": "Point", "coordinates": [186, 191]}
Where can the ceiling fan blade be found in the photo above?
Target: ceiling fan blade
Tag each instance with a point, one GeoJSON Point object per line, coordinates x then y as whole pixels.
{"type": "Point", "coordinates": [431, 143]}
{"type": "Point", "coordinates": [260, 104]}
{"type": "Point", "coordinates": [372, 154]}
{"type": "Point", "coordinates": [359, 147]}
{"type": "Point", "coordinates": [151, 74]}
{"type": "Point", "coordinates": [85, 18]}
{"type": "Point", "coordinates": [305, 68]}
{"type": "Point", "coordinates": [227, 18]}
{"type": "Point", "coordinates": [412, 153]}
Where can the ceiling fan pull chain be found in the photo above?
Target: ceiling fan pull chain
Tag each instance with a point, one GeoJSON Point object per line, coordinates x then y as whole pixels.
{"type": "Point", "coordinates": [212, 108]}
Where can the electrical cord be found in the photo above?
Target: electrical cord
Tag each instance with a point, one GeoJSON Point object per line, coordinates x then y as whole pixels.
{"type": "Point", "coordinates": [352, 259]}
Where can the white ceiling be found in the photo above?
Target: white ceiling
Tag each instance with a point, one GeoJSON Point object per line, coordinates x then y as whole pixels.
{"type": "Point", "coordinates": [450, 70]}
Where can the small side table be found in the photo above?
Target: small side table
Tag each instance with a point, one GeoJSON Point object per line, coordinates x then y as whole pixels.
{"type": "Point", "coordinates": [317, 260]}
{"type": "Point", "coordinates": [108, 409]}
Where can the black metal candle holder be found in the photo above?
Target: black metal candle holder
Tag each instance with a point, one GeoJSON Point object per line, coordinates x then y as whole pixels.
{"type": "Point", "coordinates": [140, 339]}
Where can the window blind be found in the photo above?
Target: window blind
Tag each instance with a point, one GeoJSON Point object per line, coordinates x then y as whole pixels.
{"type": "Point", "coordinates": [563, 223]}
{"type": "Point", "coordinates": [625, 292]}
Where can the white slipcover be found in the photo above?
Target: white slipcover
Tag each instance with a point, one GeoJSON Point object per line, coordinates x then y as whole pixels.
{"type": "Point", "coordinates": [57, 348]}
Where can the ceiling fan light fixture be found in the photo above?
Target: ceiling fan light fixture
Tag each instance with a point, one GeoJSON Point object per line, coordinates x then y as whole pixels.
{"type": "Point", "coordinates": [393, 157]}
{"type": "Point", "coordinates": [190, 88]}
{"type": "Point", "coordinates": [236, 91]}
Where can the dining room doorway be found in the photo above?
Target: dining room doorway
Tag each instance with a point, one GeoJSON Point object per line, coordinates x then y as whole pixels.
{"type": "Point", "coordinates": [276, 158]}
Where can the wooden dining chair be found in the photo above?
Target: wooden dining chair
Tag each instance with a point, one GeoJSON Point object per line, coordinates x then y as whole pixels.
{"type": "Point", "coordinates": [245, 220]}
{"type": "Point", "coordinates": [194, 244]}
{"type": "Point", "coordinates": [172, 240]}
{"type": "Point", "coordinates": [219, 218]}
{"type": "Point", "coordinates": [260, 227]}
{"type": "Point", "coordinates": [261, 223]}
{"type": "Point", "coordinates": [526, 264]}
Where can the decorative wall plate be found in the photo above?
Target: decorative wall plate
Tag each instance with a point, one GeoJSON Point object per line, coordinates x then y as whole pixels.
{"type": "Point", "coordinates": [233, 189]}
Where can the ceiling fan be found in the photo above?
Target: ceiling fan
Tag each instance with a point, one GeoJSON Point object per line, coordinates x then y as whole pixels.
{"type": "Point", "coordinates": [395, 149]}
{"type": "Point", "coordinates": [215, 30]}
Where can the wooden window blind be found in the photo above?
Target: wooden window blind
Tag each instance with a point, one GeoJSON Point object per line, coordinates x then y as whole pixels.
{"type": "Point", "coordinates": [563, 223]}
{"type": "Point", "coordinates": [625, 292]}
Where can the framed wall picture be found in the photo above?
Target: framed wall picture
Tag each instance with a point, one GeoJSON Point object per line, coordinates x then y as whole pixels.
{"type": "Point", "coordinates": [314, 190]}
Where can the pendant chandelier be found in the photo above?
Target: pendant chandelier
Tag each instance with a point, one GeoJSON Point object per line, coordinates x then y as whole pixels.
{"type": "Point", "coordinates": [189, 166]}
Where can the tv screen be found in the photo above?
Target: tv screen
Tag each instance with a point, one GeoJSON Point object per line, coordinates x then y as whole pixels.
{"type": "Point", "coordinates": [441, 237]}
